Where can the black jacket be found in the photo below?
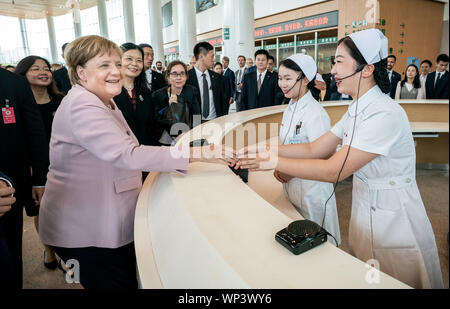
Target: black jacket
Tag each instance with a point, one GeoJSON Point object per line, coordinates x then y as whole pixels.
{"type": "Point", "coordinates": [188, 95]}
{"type": "Point", "coordinates": [142, 121]}
{"type": "Point", "coordinates": [218, 89]}
{"type": "Point", "coordinates": [396, 77]}
{"type": "Point", "coordinates": [158, 81]}
{"type": "Point", "coordinates": [269, 95]}
{"type": "Point", "coordinates": [441, 89]}
{"type": "Point", "coordinates": [23, 143]}
{"type": "Point", "coordinates": [61, 77]}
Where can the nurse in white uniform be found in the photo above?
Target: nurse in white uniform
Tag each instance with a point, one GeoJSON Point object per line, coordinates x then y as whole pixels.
{"type": "Point", "coordinates": [388, 221]}
{"type": "Point", "coordinates": [304, 121]}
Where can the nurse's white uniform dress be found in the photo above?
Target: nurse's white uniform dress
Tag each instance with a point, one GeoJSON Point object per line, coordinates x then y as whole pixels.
{"type": "Point", "coordinates": [309, 196]}
{"type": "Point", "coordinates": [388, 221]}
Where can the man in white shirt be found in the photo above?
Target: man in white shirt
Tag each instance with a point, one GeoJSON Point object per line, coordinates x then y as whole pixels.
{"type": "Point", "coordinates": [209, 84]}
{"type": "Point", "coordinates": [437, 84]}
{"type": "Point", "coordinates": [425, 67]}
{"type": "Point", "coordinates": [260, 87]}
{"type": "Point", "coordinates": [239, 78]}
{"type": "Point", "coordinates": [155, 80]}
{"type": "Point", "coordinates": [394, 77]}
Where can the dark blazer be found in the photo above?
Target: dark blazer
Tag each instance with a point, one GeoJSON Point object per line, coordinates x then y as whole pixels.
{"type": "Point", "coordinates": [396, 77]}
{"type": "Point", "coordinates": [269, 95]}
{"type": "Point", "coordinates": [142, 121]}
{"type": "Point", "coordinates": [24, 143]}
{"type": "Point", "coordinates": [231, 79]}
{"type": "Point", "coordinates": [441, 89]}
{"type": "Point", "coordinates": [61, 77]}
{"type": "Point", "coordinates": [158, 81]}
{"type": "Point", "coordinates": [6, 273]}
{"type": "Point", "coordinates": [188, 95]}
{"type": "Point", "coordinates": [218, 89]}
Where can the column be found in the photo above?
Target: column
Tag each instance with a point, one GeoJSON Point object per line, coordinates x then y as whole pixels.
{"type": "Point", "coordinates": [278, 52]}
{"type": "Point", "coordinates": [187, 29]}
{"type": "Point", "coordinates": [295, 44]}
{"type": "Point", "coordinates": [315, 47]}
{"type": "Point", "coordinates": [156, 34]}
{"type": "Point", "coordinates": [128, 20]}
{"type": "Point", "coordinates": [239, 17]}
{"type": "Point", "coordinates": [23, 31]}
{"type": "Point", "coordinates": [76, 19]}
{"type": "Point", "coordinates": [102, 18]}
{"type": "Point", "coordinates": [52, 39]}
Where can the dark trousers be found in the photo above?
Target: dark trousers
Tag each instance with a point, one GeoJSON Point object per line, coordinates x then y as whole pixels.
{"type": "Point", "coordinates": [6, 273]}
{"type": "Point", "coordinates": [11, 224]}
{"type": "Point", "coordinates": [239, 106]}
{"type": "Point", "coordinates": [103, 268]}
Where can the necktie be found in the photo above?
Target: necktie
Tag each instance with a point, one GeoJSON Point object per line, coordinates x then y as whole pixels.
{"type": "Point", "coordinates": [437, 79]}
{"type": "Point", "coordinates": [259, 83]}
{"type": "Point", "coordinates": [205, 111]}
{"type": "Point", "coordinates": [238, 79]}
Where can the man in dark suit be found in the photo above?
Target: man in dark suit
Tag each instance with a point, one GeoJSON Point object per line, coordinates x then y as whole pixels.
{"type": "Point", "coordinates": [209, 84]}
{"type": "Point", "coordinates": [437, 82]}
{"type": "Point", "coordinates": [6, 200]}
{"type": "Point", "coordinates": [271, 63]}
{"type": "Point", "coordinates": [394, 77]}
{"type": "Point", "coordinates": [61, 76]}
{"type": "Point", "coordinates": [229, 77]}
{"type": "Point", "coordinates": [260, 87]}
{"type": "Point", "coordinates": [24, 145]}
{"type": "Point", "coordinates": [155, 80]}
{"type": "Point", "coordinates": [239, 78]}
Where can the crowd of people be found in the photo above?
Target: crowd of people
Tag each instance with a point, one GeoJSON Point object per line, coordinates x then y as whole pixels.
{"type": "Point", "coordinates": [78, 141]}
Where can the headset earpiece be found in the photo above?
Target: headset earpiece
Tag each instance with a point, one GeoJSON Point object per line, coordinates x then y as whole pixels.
{"type": "Point", "coordinates": [299, 77]}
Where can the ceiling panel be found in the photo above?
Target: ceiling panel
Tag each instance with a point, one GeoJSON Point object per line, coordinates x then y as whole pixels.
{"type": "Point", "coordinates": [35, 9]}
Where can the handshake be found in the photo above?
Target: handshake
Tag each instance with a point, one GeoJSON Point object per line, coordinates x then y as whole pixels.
{"type": "Point", "coordinates": [253, 158]}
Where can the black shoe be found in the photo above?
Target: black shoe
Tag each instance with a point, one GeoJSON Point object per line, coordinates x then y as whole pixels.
{"type": "Point", "coordinates": [51, 265]}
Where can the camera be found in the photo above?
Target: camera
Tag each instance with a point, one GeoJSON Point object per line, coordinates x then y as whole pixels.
{"type": "Point", "coordinates": [301, 235]}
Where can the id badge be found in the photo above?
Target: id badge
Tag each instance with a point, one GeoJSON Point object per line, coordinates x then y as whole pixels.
{"type": "Point", "coordinates": [8, 115]}
{"type": "Point", "coordinates": [295, 140]}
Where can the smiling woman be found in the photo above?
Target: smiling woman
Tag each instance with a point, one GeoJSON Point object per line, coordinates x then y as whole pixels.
{"type": "Point", "coordinates": [87, 211]}
{"type": "Point", "coordinates": [134, 100]}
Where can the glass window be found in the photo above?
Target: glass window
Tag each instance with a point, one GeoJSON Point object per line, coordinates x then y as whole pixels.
{"type": "Point", "coordinates": [116, 27]}
{"type": "Point", "coordinates": [141, 21]}
{"type": "Point", "coordinates": [11, 49]}
{"type": "Point", "coordinates": [64, 31]}
{"type": "Point", "coordinates": [37, 33]}
{"type": "Point", "coordinates": [89, 21]}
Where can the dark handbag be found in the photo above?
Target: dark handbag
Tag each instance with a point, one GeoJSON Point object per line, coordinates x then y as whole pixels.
{"type": "Point", "coordinates": [176, 112]}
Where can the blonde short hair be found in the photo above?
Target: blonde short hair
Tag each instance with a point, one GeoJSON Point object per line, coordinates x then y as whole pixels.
{"type": "Point", "coordinates": [83, 49]}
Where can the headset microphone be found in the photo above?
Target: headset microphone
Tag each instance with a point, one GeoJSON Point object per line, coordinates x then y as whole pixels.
{"type": "Point", "coordinates": [359, 69]}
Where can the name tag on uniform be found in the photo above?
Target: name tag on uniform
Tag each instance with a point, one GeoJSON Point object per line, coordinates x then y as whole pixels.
{"type": "Point", "coordinates": [8, 115]}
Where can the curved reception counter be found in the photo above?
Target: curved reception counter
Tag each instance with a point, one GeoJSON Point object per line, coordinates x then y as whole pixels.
{"type": "Point", "coordinates": [209, 229]}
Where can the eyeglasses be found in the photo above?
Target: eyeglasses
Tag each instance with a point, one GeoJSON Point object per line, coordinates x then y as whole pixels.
{"type": "Point", "coordinates": [38, 69]}
{"type": "Point", "coordinates": [175, 74]}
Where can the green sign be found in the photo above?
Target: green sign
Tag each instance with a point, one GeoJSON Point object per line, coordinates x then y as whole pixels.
{"type": "Point", "coordinates": [226, 33]}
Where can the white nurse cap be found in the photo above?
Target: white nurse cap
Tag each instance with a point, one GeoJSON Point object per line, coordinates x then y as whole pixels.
{"type": "Point", "coordinates": [306, 64]}
{"type": "Point", "coordinates": [372, 44]}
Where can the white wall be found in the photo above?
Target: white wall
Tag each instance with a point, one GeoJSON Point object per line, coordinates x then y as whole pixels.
{"type": "Point", "coordinates": [265, 8]}
{"type": "Point", "coordinates": [171, 33]}
{"type": "Point", "coordinates": [212, 19]}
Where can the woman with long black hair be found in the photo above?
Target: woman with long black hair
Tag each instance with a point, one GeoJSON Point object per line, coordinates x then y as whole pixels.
{"type": "Point", "coordinates": [389, 225]}
{"type": "Point", "coordinates": [135, 99]}
{"type": "Point", "coordinates": [38, 72]}
{"type": "Point", "coordinates": [410, 87]}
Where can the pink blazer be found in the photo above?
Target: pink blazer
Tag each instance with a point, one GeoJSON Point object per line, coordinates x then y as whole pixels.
{"type": "Point", "coordinates": [95, 175]}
